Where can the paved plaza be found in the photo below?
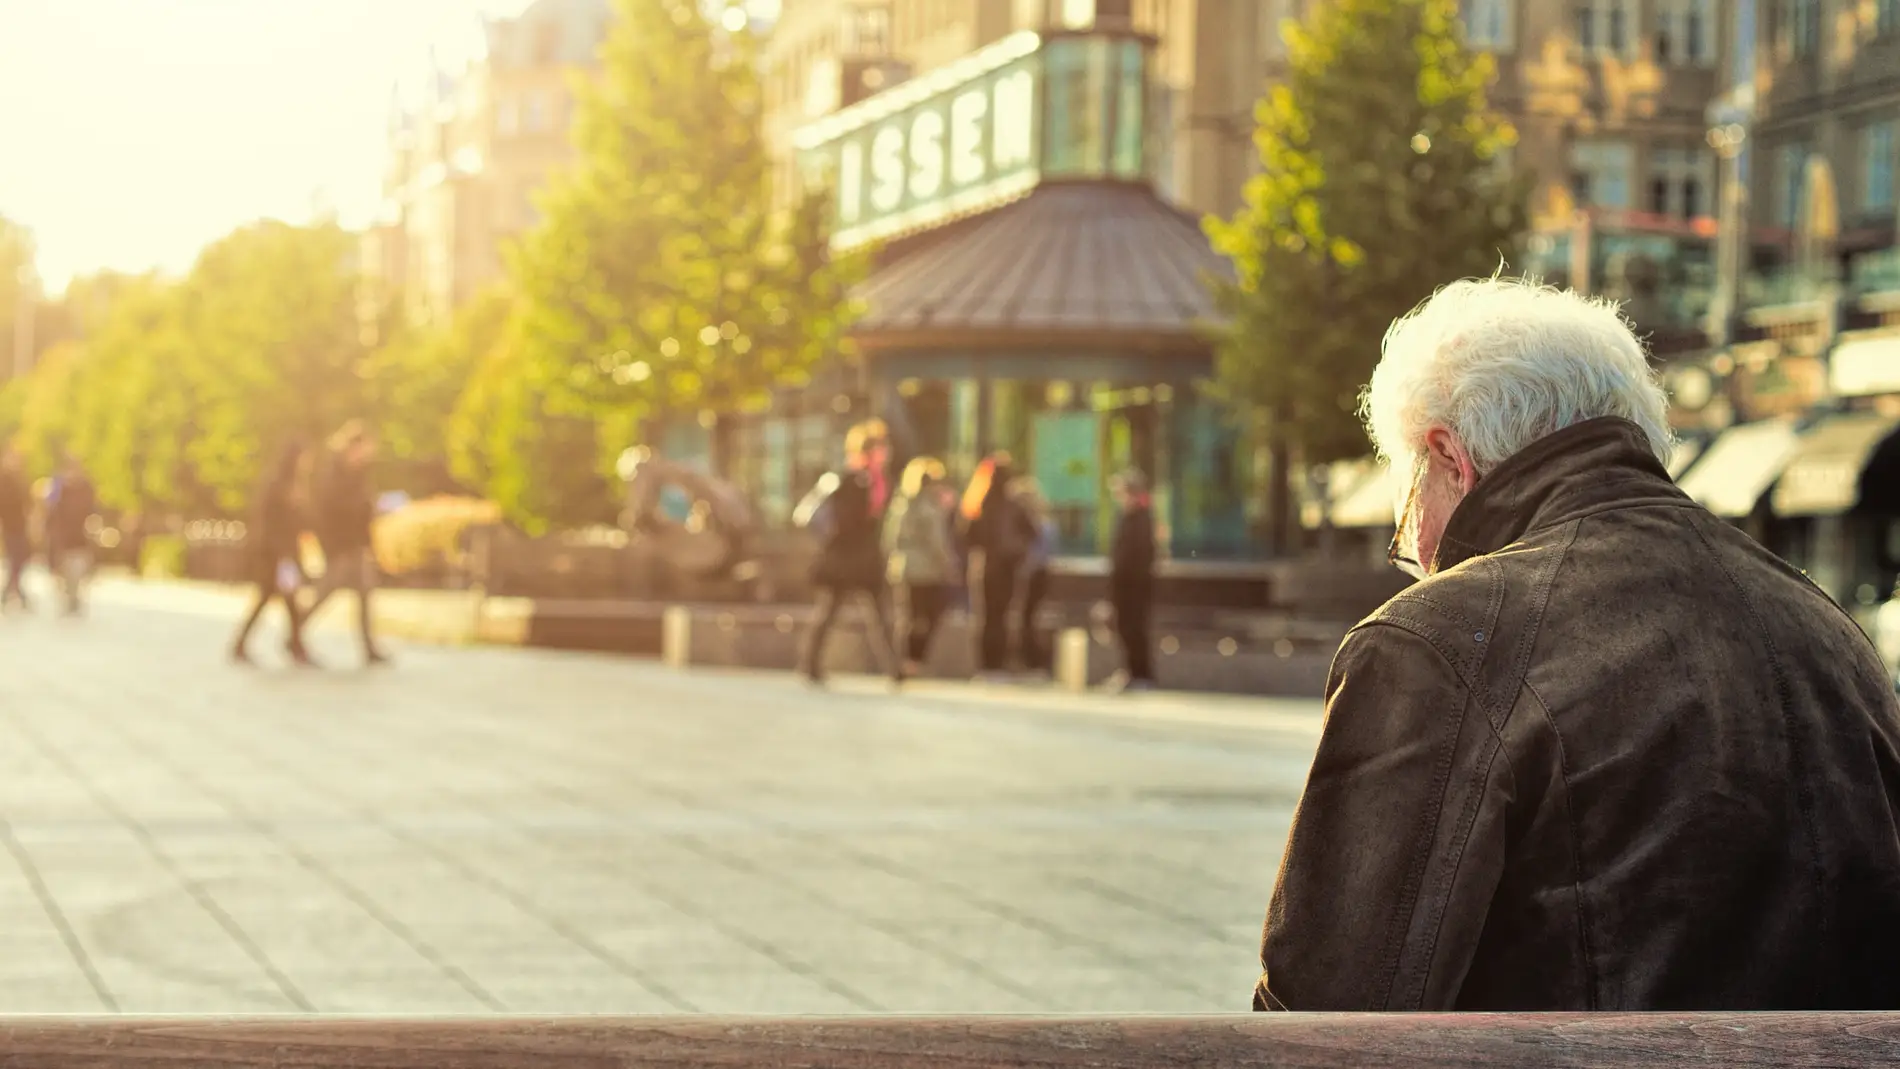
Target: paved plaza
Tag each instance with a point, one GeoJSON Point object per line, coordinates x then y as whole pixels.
{"type": "Point", "coordinates": [483, 830]}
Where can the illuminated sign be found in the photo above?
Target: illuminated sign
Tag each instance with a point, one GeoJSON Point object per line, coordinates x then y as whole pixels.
{"type": "Point", "coordinates": [981, 131]}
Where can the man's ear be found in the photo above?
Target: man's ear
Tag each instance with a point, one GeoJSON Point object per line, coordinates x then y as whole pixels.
{"type": "Point", "coordinates": [1445, 451]}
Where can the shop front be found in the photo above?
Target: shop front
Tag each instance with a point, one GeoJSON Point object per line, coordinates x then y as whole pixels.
{"type": "Point", "coordinates": [1034, 295]}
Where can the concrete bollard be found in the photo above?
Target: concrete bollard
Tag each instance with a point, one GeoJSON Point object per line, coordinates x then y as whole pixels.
{"type": "Point", "coordinates": [676, 636]}
{"type": "Point", "coordinates": [1072, 659]}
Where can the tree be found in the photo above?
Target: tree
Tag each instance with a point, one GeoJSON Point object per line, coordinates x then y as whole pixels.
{"type": "Point", "coordinates": [661, 281]}
{"type": "Point", "coordinates": [16, 258]}
{"type": "Point", "coordinates": [540, 465]}
{"type": "Point", "coordinates": [1380, 181]}
{"type": "Point", "coordinates": [417, 378]}
{"type": "Point", "coordinates": [274, 348]}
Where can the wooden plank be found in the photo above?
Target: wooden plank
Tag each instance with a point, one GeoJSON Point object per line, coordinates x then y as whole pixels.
{"type": "Point", "coordinates": [1611, 1041]}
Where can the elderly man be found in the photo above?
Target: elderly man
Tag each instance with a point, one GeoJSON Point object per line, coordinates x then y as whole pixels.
{"type": "Point", "coordinates": [1609, 753]}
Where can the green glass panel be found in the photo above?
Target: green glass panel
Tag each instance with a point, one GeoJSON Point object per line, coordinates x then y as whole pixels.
{"type": "Point", "coordinates": [1129, 119]}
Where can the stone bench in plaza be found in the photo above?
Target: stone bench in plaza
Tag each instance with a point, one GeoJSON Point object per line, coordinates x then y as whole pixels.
{"type": "Point", "coordinates": [1278, 1040]}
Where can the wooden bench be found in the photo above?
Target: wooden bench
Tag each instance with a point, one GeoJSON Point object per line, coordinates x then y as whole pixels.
{"type": "Point", "coordinates": [1289, 1040]}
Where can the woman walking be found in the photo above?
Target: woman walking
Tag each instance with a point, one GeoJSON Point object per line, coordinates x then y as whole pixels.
{"type": "Point", "coordinates": [277, 523]}
{"type": "Point", "coordinates": [923, 556]}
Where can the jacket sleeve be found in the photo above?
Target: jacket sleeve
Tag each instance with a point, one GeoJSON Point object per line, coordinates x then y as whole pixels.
{"type": "Point", "coordinates": [1397, 843]}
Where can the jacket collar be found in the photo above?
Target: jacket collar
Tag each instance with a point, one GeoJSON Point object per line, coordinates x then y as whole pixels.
{"type": "Point", "coordinates": [1586, 467]}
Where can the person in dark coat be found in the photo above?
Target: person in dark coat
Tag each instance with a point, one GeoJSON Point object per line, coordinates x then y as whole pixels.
{"type": "Point", "coordinates": [275, 566]}
{"type": "Point", "coordinates": [1001, 535]}
{"type": "Point", "coordinates": [344, 508]}
{"type": "Point", "coordinates": [1609, 753]}
{"type": "Point", "coordinates": [846, 511]}
{"type": "Point", "coordinates": [71, 503]}
{"type": "Point", "coordinates": [16, 536]}
{"type": "Point", "coordinates": [1131, 576]}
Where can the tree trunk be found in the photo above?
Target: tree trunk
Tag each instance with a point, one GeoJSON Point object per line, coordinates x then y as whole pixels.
{"type": "Point", "coordinates": [1280, 519]}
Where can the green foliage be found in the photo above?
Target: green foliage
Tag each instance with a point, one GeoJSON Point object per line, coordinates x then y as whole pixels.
{"type": "Point", "coordinates": [416, 379]}
{"type": "Point", "coordinates": [660, 280]}
{"type": "Point", "coordinates": [1380, 182]}
{"type": "Point", "coordinates": [16, 254]}
{"type": "Point", "coordinates": [170, 392]}
{"type": "Point", "coordinates": [539, 464]}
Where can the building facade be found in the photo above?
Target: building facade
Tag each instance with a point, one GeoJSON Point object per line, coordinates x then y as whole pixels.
{"type": "Point", "coordinates": [469, 145]}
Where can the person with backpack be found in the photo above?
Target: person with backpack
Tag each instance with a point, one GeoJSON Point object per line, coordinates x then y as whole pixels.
{"type": "Point", "coordinates": [923, 556]}
{"type": "Point", "coordinates": [845, 512]}
{"type": "Point", "coordinates": [1035, 578]}
{"type": "Point", "coordinates": [1002, 534]}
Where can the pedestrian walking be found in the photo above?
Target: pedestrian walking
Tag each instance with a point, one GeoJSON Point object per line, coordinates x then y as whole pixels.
{"type": "Point", "coordinates": [16, 535]}
{"type": "Point", "coordinates": [846, 512]}
{"type": "Point", "coordinates": [1608, 753]}
{"type": "Point", "coordinates": [923, 556]}
{"type": "Point", "coordinates": [275, 565]}
{"type": "Point", "coordinates": [1000, 538]}
{"type": "Point", "coordinates": [1036, 653]}
{"type": "Point", "coordinates": [71, 503]}
{"type": "Point", "coordinates": [343, 510]}
{"type": "Point", "coordinates": [1131, 577]}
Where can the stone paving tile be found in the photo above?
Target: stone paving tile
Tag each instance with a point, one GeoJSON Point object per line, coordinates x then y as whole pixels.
{"type": "Point", "coordinates": [478, 831]}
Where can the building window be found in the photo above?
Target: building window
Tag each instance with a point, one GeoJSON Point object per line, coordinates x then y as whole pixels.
{"type": "Point", "coordinates": [1487, 23]}
{"type": "Point", "coordinates": [1806, 25]}
{"type": "Point", "coordinates": [1601, 173]}
{"type": "Point", "coordinates": [1877, 146]}
{"type": "Point", "coordinates": [1684, 32]}
{"type": "Point", "coordinates": [1699, 32]}
{"type": "Point", "coordinates": [547, 43]}
{"type": "Point", "coordinates": [1790, 163]}
{"type": "Point", "coordinates": [536, 118]}
{"type": "Point", "coordinates": [868, 32]}
{"type": "Point", "coordinates": [507, 116]}
{"type": "Point", "coordinates": [1603, 26]}
{"type": "Point", "coordinates": [1677, 178]}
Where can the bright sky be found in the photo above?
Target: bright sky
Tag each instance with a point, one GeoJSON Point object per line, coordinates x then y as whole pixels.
{"type": "Point", "coordinates": [133, 132]}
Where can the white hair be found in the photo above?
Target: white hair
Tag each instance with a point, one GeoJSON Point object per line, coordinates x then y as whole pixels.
{"type": "Point", "coordinates": [1502, 362]}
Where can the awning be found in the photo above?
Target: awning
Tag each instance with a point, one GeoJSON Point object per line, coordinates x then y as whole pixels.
{"type": "Point", "coordinates": [1084, 261]}
{"type": "Point", "coordinates": [1739, 466]}
{"type": "Point", "coordinates": [1368, 504]}
{"type": "Point", "coordinates": [1865, 363]}
{"type": "Point", "coordinates": [1823, 479]}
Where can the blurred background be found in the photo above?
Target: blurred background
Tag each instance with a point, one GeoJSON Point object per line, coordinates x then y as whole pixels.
{"type": "Point", "coordinates": [609, 280]}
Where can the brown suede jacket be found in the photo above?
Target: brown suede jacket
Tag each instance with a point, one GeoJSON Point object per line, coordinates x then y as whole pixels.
{"type": "Point", "coordinates": [1612, 755]}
